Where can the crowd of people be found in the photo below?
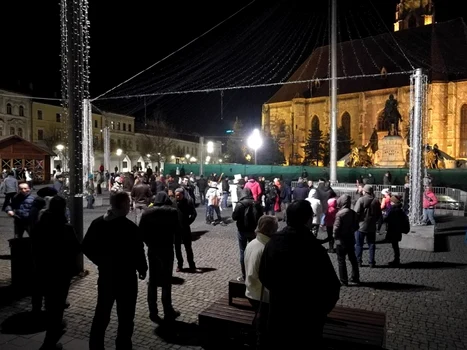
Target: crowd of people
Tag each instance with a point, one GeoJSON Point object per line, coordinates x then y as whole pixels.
{"type": "Point", "coordinates": [164, 207]}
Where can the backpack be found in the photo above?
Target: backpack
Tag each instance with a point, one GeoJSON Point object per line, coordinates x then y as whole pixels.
{"type": "Point", "coordinates": [251, 216]}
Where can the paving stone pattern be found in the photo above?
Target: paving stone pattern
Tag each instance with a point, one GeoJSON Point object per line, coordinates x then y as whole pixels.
{"type": "Point", "coordinates": [425, 300]}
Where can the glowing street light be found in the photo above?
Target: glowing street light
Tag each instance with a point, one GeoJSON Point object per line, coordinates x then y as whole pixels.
{"type": "Point", "coordinates": [119, 152]}
{"type": "Point", "coordinates": [210, 147]}
{"type": "Point", "coordinates": [60, 147]}
{"type": "Point", "coordinates": [255, 141]}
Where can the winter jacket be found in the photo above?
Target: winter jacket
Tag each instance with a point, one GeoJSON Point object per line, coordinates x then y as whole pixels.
{"type": "Point", "coordinates": [255, 188]}
{"type": "Point", "coordinates": [300, 192]}
{"type": "Point", "coordinates": [315, 205]}
{"type": "Point", "coordinates": [331, 212]}
{"type": "Point", "coordinates": [238, 214]}
{"type": "Point", "coordinates": [21, 205]}
{"type": "Point", "coordinates": [368, 210]}
{"type": "Point", "coordinates": [346, 222]}
{"type": "Point", "coordinates": [429, 200]}
{"type": "Point", "coordinates": [10, 184]}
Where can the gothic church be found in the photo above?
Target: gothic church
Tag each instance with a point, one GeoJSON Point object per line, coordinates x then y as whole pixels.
{"type": "Point", "coordinates": [440, 49]}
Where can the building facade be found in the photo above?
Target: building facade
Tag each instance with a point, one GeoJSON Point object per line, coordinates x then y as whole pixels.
{"type": "Point", "coordinates": [15, 115]}
{"type": "Point", "coordinates": [297, 108]}
{"type": "Point", "coordinates": [45, 124]}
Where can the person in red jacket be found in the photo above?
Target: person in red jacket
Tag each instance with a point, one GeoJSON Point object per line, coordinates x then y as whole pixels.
{"type": "Point", "coordinates": [429, 202]}
{"type": "Point", "coordinates": [254, 187]}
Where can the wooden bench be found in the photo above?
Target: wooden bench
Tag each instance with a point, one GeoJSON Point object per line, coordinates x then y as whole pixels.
{"type": "Point", "coordinates": [231, 317]}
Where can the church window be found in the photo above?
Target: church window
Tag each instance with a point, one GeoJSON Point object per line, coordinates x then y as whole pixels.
{"type": "Point", "coordinates": [345, 122]}
{"type": "Point", "coordinates": [463, 132]}
{"type": "Point", "coordinates": [315, 123]}
{"type": "Point", "coordinates": [12, 130]}
{"type": "Point", "coordinates": [20, 132]}
{"type": "Point", "coordinates": [8, 108]}
{"type": "Point", "coordinates": [21, 111]}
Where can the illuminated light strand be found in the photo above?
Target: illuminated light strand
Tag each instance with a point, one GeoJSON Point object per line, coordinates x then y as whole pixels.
{"type": "Point", "coordinates": [363, 42]}
{"type": "Point", "coordinates": [320, 56]}
{"type": "Point", "coordinates": [391, 35]}
{"type": "Point", "coordinates": [372, 37]}
{"type": "Point", "coordinates": [249, 86]}
{"type": "Point", "coordinates": [225, 81]}
{"type": "Point", "coordinates": [352, 46]}
{"type": "Point", "coordinates": [340, 45]}
{"type": "Point", "coordinates": [173, 53]}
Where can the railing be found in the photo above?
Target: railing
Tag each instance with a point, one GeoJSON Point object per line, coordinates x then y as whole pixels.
{"type": "Point", "coordinates": [451, 201]}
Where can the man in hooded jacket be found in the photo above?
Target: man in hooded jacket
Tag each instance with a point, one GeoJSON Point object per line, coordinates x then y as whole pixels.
{"type": "Point", "coordinates": [291, 256]}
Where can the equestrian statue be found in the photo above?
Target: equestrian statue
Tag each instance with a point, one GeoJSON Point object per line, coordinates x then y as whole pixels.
{"type": "Point", "coordinates": [391, 116]}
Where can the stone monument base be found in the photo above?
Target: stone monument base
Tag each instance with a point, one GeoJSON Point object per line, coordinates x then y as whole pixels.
{"type": "Point", "coordinates": [419, 238]}
{"type": "Point", "coordinates": [391, 152]}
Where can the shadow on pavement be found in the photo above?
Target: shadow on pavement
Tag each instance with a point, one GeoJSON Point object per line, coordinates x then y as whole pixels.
{"type": "Point", "coordinates": [393, 286]}
{"type": "Point", "coordinates": [199, 270]}
{"type": "Point", "coordinates": [180, 333]}
{"type": "Point", "coordinates": [421, 265]}
{"type": "Point", "coordinates": [24, 323]}
{"type": "Point", "coordinates": [8, 294]}
{"type": "Point", "coordinates": [195, 235]}
{"type": "Point", "coordinates": [177, 280]}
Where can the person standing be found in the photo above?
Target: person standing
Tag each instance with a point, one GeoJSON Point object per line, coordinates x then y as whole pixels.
{"type": "Point", "coordinates": [159, 225]}
{"type": "Point", "coordinates": [115, 244]}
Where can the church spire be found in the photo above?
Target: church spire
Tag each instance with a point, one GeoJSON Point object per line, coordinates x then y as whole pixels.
{"type": "Point", "coordinates": [413, 13]}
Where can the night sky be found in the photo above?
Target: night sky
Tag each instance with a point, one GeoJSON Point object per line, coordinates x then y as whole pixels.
{"type": "Point", "coordinates": [262, 44]}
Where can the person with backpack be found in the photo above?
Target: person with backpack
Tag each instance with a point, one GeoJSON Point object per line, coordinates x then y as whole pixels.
{"type": "Point", "coordinates": [246, 213]}
{"type": "Point", "coordinates": [397, 223]}
{"type": "Point", "coordinates": [345, 225]}
{"type": "Point", "coordinates": [368, 210]}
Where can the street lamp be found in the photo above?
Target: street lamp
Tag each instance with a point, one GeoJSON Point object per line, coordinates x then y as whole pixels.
{"type": "Point", "coordinates": [210, 147]}
{"type": "Point", "coordinates": [61, 156]}
{"type": "Point", "coordinates": [255, 141]}
{"type": "Point", "coordinates": [60, 147]}
{"type": "Point", "coordinates": [119, 153]}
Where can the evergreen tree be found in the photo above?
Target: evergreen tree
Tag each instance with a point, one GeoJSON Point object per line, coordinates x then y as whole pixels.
{"type": "Point", "coordinates": [235, 148]}
{"type": "Point", "coordinates": [313, 148]}
{"type": "Point", "coordinates": [270, 152]}
{"type": "Point", "coordinates": [344, 142]}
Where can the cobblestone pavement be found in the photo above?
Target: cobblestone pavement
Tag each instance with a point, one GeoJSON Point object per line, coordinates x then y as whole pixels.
{"type": "Point", "coordinates": [425, 300]}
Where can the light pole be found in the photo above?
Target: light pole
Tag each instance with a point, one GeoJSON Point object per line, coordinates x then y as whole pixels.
{"type": "Point", "coordinates": [255, 141]}
{"type": "Point", "coordinates": [61, 156]}
{"type": "Point", "coordinates": [119, 153]}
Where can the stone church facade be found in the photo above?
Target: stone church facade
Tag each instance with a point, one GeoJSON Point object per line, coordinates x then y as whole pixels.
{"type": "Point", "coordinates": [416, 43]}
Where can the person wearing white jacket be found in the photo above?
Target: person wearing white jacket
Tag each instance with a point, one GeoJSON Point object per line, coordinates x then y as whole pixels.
{"type": "Point", "coordinates": [257, 296]}
{"type": "Point", "coordinates": [315, 202]}
{"type": "Point", "coordinates": [213, 196]}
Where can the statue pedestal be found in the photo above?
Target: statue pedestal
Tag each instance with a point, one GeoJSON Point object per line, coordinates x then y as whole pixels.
{"type": "Point", "coordinates": [391, 152]}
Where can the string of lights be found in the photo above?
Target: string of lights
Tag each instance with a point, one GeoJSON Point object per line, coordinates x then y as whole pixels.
{"type": "Point", "coordinates": [249, 86]}
{"type": "Point", "coordinates": [360, 67]}
{"type": "Point", "coordinates": [341, 45]}
{"type": "Point", "coordinates": [363, 42]}
{"type": "Point", "coordinates": [176, 51]}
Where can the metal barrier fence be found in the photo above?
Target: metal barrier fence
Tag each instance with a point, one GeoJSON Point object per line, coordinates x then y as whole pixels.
{"type": "Point", "coordinates": [451, 201]}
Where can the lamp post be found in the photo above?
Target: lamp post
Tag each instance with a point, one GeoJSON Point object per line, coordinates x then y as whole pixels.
{"type": "Point", "coordinates": [119, 153]}
{"type": "Point", "coordinates": [61, 156]}
{"type": "Point", "coordinates": [255, 141]}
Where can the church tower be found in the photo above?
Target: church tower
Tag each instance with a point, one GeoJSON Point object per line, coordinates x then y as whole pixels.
{"type": "Point", "coordinates": [413, 13]}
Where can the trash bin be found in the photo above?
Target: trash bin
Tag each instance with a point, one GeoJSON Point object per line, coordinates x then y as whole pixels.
{"type": "Point", "coordinates": [21, 263]}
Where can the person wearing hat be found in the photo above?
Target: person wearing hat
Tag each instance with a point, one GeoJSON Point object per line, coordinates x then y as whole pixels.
{"type": "Point", "coordinates": [397, 223]}
{"type": "Point", "coordinates": [368, 211]}
{"type": "Point", "coordinates": [385, 207]}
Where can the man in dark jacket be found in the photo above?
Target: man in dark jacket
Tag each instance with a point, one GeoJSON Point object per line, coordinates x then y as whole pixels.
{"type": "Point", "coordinates": [368, 211]}
{"type": "Point", "coordinates": [345, 226]}
{"type": "Point", "coordinates": [246, 226]}
{"type": "Point", "coordinates": [301, 191]}
{"type": "Point", "coordinates": [202, 186]}
{"type": "Point", "coordinates": [20, 208]}
{"type": "Point", "coordinates": [159, 225]}
{"type": "Point", "coordinates": [187, 213]}
{"type": "Point", "coordinates": [291, 256]}
{"type": "Point", "coordinates": [141, 196]}
{"type": "Point", "coordinates": [115, 244]}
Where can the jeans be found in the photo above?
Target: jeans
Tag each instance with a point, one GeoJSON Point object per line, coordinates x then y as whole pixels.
{"type": "Point", "coordinates": [214, 209]}
{"type": "Point", "coordinates": [243, 239]}
{"type": "Point", "coordinates": [139, 210]}
{"type": "Point", "coordinates": [370, 240]}
{"type": "Point", "coordinates": [157, 266]}
{"type": "Point", "coordinates": [343, 250]}
{"type": "Point", "coordinates": [429, 215]}
{"type": "Point", "coordinates": [225, 197]}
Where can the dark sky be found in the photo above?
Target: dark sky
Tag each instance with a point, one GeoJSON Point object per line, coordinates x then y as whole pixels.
{"type": "Point", "coordinates": [262, 44]}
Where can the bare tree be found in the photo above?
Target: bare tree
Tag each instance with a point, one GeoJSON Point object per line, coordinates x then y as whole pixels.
{"type": "Point", "coordinates": [159, 138]}
{"type": "Point", "coordinates": [53, 136]}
